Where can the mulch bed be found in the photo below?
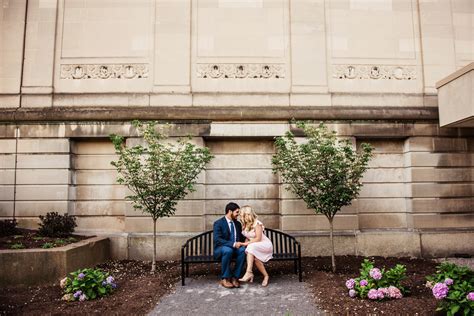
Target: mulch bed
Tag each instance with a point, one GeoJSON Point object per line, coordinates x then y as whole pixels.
{"type": "Point", "coordinates": [139, 290]}
{"type": "Point", "coordinates": [27, 239]}
{"type": "Point", "coordinates": [331, 293]}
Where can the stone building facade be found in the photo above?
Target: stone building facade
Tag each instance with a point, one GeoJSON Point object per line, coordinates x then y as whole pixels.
{"type": "Point", "coordinates": [233, 73]}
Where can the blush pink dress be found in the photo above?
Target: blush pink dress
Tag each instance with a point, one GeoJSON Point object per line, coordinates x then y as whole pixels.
{"type": "Point", "coordinates": [263, 249]}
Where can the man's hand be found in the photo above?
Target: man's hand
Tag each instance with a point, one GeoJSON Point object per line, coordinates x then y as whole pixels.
{"type": "Point", "coordinates": [237, 245]}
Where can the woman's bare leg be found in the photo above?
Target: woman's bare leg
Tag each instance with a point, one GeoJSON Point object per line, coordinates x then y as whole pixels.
{"type": "Point", "coordinates": [248, 276]}
{"type": "Point", "coordinates": [261, 268]}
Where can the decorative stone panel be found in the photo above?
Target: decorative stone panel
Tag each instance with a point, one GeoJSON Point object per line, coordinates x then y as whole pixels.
{"type": "Point", "coordinates": [240, 71]}
{"type": "Point", "coordinates": [104, 71]}
{"type": "Point", "coordinates": [374, 72]}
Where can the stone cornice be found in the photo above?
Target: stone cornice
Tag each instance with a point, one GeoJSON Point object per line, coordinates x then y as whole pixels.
{"type": "Point", "coordinates": [262, 113]}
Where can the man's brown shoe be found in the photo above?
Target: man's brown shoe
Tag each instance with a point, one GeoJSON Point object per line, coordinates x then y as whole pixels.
{"type": "Point", "coordinates": [225, 283]}
{"type": "Point", "coordinates": [235, 282]}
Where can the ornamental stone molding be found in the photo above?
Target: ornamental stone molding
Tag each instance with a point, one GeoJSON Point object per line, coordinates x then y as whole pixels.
{"type": "Point", "coordinates": [374, 72]}
{"type": "Point", "coordinates": [240, 71]}
{"type": "Point", "coordinates": [104, 71]}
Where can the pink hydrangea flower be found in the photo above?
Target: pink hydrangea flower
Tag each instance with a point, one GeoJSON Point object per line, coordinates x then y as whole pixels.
{"type": "Point", "coordinates": [375, 294]}
{"type": "Point", "coordinates": [363, 283]}
{"type": "Point", "coordinates": [352, 293]}
{"type": "Point", "coordinates": [350, 283]}
{"type": "Point", "coordinates": [470, 296]}
{"type": "Point", "coordinates": [394, 292]}
{"type": "Point", "coordinates": [375, 274]}
{"type": "Point", "coordinates": [82, 298]}
{"type": "Point", "coordinates": [448, 281]}
{"type": "Point", "coordinates": [440, 291]}
{"type": "Point", "coordinates": [384, 291]}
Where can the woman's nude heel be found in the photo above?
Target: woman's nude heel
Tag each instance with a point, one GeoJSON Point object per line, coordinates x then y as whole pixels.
{"type": "Point", "coordinates": [248, 277]}
{"type": "Point", "coordinates": [265, 280]}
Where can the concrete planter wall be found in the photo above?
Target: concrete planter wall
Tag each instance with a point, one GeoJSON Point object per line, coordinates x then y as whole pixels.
{"type": "Point", "coordinates": [37, 266]}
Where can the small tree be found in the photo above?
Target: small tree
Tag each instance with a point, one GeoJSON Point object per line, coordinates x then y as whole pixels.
{"type": "Point", "coordinates": [158, 173]}
{"type": "Point", "coordinates": [323, 171]}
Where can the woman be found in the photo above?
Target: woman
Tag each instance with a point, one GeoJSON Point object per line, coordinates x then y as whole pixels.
{"type": "Point", "coordinates": [259, 247]}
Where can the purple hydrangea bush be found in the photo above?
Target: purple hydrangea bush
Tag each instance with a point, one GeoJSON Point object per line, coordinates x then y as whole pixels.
{"type": "Point", "coordinates": [86, 284]}
{"type": "Point", "coordinates": [453, 287]}
{"type": "Point", "coordinates": [377, 284]}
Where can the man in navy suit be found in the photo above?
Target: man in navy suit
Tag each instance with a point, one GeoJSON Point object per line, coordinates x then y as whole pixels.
{"type": "Point", "coordinates": [228, 241]}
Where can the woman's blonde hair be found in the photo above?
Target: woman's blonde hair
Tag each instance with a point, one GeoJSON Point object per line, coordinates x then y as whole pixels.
{"type": "Point", "coordinates": [248, 217]}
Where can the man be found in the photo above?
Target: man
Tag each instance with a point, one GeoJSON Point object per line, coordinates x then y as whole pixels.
{"type": "Point", "coordinates": [228, 241]}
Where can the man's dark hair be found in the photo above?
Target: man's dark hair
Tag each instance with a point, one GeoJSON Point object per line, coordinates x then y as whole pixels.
{"type": "Point", "coordinates": [231, 207]}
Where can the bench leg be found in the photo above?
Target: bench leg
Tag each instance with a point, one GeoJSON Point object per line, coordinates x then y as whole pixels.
{"type": "Point", "coordinates": [183, 277]}
{"type": "Point", "coordinates": [187, 269]}
{"type": "Point", "coordinates": [300, 272]}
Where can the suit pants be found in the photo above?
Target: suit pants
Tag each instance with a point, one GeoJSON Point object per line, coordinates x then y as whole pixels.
{"type": "Point", "coordinates": [226, 254]}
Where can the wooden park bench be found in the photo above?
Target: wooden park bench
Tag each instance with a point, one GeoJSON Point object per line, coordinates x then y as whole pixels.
{"type": "Point", "coordinates": [200, 249]}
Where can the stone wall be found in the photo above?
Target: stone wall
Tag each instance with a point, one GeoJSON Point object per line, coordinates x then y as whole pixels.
{"type": "Point", "coordinates": [418, 190]}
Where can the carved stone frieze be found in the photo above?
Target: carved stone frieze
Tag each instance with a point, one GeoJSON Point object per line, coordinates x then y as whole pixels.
{"type": "Point", "coordinates": [104, 71]}
{"type": "Point", "coordinates": [374, 72]}
{"type": "Point", "coordinates": [240, 71]}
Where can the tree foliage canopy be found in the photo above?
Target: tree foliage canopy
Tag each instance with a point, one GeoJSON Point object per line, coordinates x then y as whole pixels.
{"type": "Point", "coordinates": [323, 171]}
{"type": "Point", "coordinates": [159, 172]}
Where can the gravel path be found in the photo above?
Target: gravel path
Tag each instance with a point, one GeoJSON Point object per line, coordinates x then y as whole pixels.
{"type": "Point", "coordinates": [204, 296]}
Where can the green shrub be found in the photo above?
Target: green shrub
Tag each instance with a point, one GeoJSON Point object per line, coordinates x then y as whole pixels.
{"type": "Point", "coordinates": [8, 227]}
{"type": "Point", "coordinates": [378, 284]}
{"type": "Point", "coordinates": [61, 242]}
{"type": "Point", "coordinates": [55, 225]}
{"type": "Point", "coordinates": [87, 284]}
{"type": "Point", "coordinates": [453, 287]}
{"type": "Point", "coordinates": [17, 246]}
{"type": "Point", "coordinates": [48, 245]}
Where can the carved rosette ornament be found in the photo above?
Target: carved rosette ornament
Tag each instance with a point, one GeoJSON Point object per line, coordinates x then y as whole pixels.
{"type": "Point", "coordinates": [374, 72]}
{"type": "Point", "coordinates": [104, 71]}
{"type": "Point", "coordinates": [240, 71]}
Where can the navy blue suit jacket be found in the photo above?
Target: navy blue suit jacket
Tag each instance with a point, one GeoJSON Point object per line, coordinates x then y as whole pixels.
{"type": "Point", "coordinates": [222, 233]}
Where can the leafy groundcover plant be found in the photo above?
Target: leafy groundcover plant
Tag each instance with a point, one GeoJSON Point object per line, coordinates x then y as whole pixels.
{"type": "Point", "coordinates": [453, 287]}
{"type": "Point", "coordinates": [377, 284]}
{"type": "Point", "coordinates": [87, 284]}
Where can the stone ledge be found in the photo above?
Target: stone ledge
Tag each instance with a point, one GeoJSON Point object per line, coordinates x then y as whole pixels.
{"type": "Point", "coordinates": [219, 113]}
{"type": "Point", "coordinates": [37, 266]}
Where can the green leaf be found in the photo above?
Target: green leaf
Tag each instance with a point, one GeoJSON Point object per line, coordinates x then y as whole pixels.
{"type": "Point", "coordinates": [454, 309]}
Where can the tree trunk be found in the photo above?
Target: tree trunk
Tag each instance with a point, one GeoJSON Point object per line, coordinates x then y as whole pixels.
{"type": "Point", "coordinates": [333, 259]}
{"type": "Point", "coordinates": [153, 263]}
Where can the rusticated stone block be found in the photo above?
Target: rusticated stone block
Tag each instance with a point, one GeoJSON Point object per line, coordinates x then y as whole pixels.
{"type": "Point", "coordinates": [167, 224]}
{"type": "Point", "coordinates": [43, 145]}
{"type": "Point", "coordinates": [36, 208]}
{"type": "Point", "coordinates": [234, 191]}
{"type": "Point", "coordinates": [7, 146]}
{"type": "Point", "coordinates": [42, 176]}
{"type": "Point", "coordinates": [317, 222]}
{"type": "Point", "coordinates": [427, 221]}
{"type": "Point", "coordinates": [382, 221]}
{"type": "Point", "coordinates": [240, 161]}
{"type": "Point", "coordinates": [446, 244]}
{"type": "Point", "coordinates": [447, 205]}
{"type": "Point", "coordinates": [388, 244]}
{"type": "Point", "coordinates": [93, 224]}
{"type": "Point", "coordinates": [41, 192]}
{"type": "Point", "coordinates": [43, 161]}
{"type": "Point", "coordinates": [7, 176]}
